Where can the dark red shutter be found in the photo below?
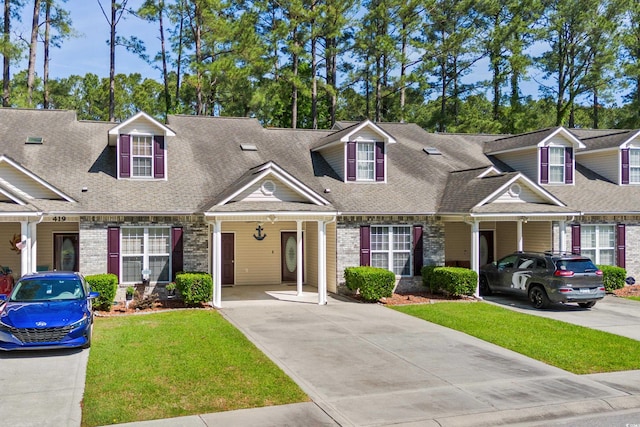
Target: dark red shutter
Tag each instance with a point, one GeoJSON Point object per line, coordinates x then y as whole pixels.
{"type": "Point", "coordinates": [620, 246]}
{"type": "Point", "coordinates": [568, 165]}
{"type": "Point", "coordinates": [113, 251]}
{"type": "Point", "coordinates": [379, 161]}
{"type": "Point", "coordinates": [575, 239]}
{"type": "Point", "coordinates": [351, 161]}
{"type": "Point", "coordinates": [625, 165]}
{"type": "Point", "coordinates": [177, 252]}
{"type": "Point", "coordinates": [365, 239]}
{"type": "Point", "coordinates": [417, 250]}
{"type": "Point", "coordinates": [158, 156]}
{"type": "Point", "coordinates": [125, 156]}
{"type": "Point", "coordinates": [544, 165]}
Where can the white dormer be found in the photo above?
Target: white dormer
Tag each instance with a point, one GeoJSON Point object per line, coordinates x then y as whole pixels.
{"type": "Point", "coordinates": [141, 147]}
{"type": "Point", "coordinates": [358, 153]}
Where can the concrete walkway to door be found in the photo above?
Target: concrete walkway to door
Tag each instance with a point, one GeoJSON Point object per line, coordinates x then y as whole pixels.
{"type": "Point", "coordinates": [365, 365]}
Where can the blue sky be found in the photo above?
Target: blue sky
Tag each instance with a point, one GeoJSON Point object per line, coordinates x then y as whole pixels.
{"type": "Point", "coordinates": [89, 51]}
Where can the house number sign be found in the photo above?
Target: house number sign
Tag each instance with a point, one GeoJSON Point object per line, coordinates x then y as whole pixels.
{"type": "Point", "coordinates": [59, 218]}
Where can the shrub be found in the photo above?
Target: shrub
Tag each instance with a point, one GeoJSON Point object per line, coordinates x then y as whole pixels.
{"type": "Point", "coordinates": [107, 285]}
{"type": "Point", "coordinates": [195, 288]}
{"type": "Point", "coordinates": [372, 282]}
{"type": "Point", "coordinates": [427, 275]}
{"type": "Point", "coordinates": [613, 277]}
{"type": "Point", "coordinates": [456, 281]}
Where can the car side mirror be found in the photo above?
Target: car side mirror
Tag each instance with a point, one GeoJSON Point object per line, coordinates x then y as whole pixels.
{"type": "Point", "coordinates": [93, 295]}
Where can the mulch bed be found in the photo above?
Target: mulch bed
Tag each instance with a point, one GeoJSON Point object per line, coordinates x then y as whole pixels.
{"type": "Point", "coordinates": [138, 307]}
{"type": "Point", "coordinates": [628, 291]}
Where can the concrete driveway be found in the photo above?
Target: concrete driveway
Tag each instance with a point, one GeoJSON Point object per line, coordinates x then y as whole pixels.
{"type": "Point", "coordinates": [42, 388]}
{"type": "Point", "coordinates": [367, 365]}
{"type": "Point", "coordinates": [613, 314]}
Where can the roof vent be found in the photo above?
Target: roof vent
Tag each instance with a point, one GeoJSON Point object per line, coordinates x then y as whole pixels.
{"type": "Point", "coordinates": [34, 140]}
{"type": "Point", "coordinates": [432, 151]}
{"type": "Point", "coordinates": [248, 147]}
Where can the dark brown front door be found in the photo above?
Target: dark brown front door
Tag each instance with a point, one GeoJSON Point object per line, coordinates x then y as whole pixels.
{"type": "Point", "coordinates": [288, 256]}
{"type": "Point", "coordinates": [228, 261]}
{"type": "Point", "coordinates": [66, 255]}
{"type": "Point", "coordinates": [486, 247]}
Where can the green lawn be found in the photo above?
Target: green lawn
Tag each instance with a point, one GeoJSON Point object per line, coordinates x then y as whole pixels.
{"type": "Point", "coordinates": [633, 298]}
{"type": "Point", "coordinates": [177, 363]}
{"type": "Point", "coordinates": [570, 347]}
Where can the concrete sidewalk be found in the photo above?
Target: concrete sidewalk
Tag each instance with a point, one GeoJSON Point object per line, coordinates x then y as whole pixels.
{"type": "Point", "coordinates": [367, 365]}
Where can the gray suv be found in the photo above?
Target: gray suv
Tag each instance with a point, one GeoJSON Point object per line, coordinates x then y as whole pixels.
{"type": "Point", "coordinates": [545, 278]}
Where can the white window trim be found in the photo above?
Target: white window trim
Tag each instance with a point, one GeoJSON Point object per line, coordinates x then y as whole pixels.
{"type": "Point", "coordinates": [550, 165]}
{"type": "Point", "coordinates": [372, 162]}
{"type": "Point", "coordinates": [132, 156]}
{"type": "Point", "coordinates": [633, 167]}
{"type": "Point", "coordinates": [145, 255]}
{"type": "Point", "coordinates": [390, 251]}
{"type": "Point", "coordinates": [598, 247]}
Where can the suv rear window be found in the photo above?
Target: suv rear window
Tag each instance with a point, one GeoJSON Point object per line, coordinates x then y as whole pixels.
{"type": "Point", "coordinates": [577, 265]}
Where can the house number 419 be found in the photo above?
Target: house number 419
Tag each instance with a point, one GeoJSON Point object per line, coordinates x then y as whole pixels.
{"type": "Point", "coordinates": [59, 218]}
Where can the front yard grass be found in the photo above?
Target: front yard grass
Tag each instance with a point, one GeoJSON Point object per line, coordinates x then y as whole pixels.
{"type": "Point", "coordinates": [570, 347]}
{"type": "Point", "coordinates": [635, 298]}
{"type": "Point", "coordinates": [173, 364]}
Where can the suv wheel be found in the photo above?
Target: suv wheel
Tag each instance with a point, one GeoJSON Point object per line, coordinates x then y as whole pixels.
{"type": "Point", "coordinates": [485, 290]}
{"type": "Point", "coordinates": [587, 304]}
{"type": "Point", "coordinates": [538, 297]}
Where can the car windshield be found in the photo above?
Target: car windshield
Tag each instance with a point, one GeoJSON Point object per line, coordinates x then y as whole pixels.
{"type": "Point", "coordinates": [47, 290]}
{"type": "Point", "coordinates": [577, 265]}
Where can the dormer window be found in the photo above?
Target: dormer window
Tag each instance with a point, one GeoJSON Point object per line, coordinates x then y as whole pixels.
{"type": "Point", "coordinates": [556, 165]}
{"type": "Point", "coordinates": [141, 156]}
{"type": "Point", "coordinates": [631, 166]}
{"type": "Point", "coordinates": [365, 161]}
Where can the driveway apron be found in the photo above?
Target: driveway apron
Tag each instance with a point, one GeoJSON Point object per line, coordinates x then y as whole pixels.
{"type": "Point", "coordinates": [42, 388]}
{"type": "Point", "coordinates": [368, 365]}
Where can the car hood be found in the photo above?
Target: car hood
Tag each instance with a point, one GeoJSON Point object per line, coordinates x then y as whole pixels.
{"type": "Point", "coordinates": [42, 314]}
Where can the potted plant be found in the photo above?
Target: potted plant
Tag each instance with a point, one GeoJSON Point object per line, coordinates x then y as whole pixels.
{"type": "Point", "coordinates": [130, 292]}
{"type": "Point", "coordinates": [171, 289]}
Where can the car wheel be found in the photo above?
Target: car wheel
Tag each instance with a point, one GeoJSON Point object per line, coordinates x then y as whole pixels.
{"type": "Point", "coordinates": [485, 290]}
{"type": "Point", "coordinates": [538, 297]}
{"type": "Point", "coordinates": [88, 336]}
{"type": "Point", "coordinates": [587, 304]}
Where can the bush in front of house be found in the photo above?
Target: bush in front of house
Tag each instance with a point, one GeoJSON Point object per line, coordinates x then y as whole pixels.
{"type": "Point", "coordinates": [373, 283]}
{"type": "Point", "coordinates": [427, 275]}
{"type": "Point", "coordinates": [613, 277]}
{"type": "Point", "coordinates": [195, 288]}
{"type": "Point", "coordinates": [107, 285]}
{"type": "Point", "coordinates": [456, 281]}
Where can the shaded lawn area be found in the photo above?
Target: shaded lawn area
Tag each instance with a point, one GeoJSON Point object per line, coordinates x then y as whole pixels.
{"type": "Point", "coordinates": [570, 347]}
{"type": "Point", "coordinates": [178, 363]}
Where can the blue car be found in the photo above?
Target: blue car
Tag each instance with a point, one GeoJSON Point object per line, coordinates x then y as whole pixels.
{"type": "Point", "coordinates": [47, 310]}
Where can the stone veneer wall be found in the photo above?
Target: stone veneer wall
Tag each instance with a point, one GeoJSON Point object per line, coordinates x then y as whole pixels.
{"type": "Point", "coordinates": [93, 240]}
{"type": "Point", "coordinates": [348, 244]}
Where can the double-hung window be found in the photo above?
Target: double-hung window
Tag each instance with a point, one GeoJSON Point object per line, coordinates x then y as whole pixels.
{"type": "Point", "coordinates": [366, 161]}
{"type": "Point", "coordinates": [391, 249]}
{"type": "Point", "coordinates": [556, 165]}
{"type": "Point", "coordinates": [634, 166]}
{"type": "Point", "coordinates": [598, 243]}
{"type": "Point", "coordinates": [146, 248]}
{"type": "Point", "coordinates": [142, 156]}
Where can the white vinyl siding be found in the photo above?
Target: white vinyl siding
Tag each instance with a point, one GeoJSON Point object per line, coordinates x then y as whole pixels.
{"type": "Point", "coordinates": [605, 163]}
{"type": "Point", "coordinates": [145, 248]}
{"type": "Point", "coordinates": [598, 243]}
{"type": "Point", "coordinates": [525, 161]}
{"type": "Point", "coordinates": [391, 249]}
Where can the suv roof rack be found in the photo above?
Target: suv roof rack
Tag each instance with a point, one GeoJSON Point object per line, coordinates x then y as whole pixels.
{"type": "Point", "coordinates": [559, 253]}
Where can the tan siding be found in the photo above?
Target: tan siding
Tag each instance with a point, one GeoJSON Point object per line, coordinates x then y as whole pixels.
{"type": "Point", "coordinates": [537, 236]}
{"type": "Point", "coordinates": [457, 237]}
{"type": "Point", "coordinates": [9, 258]}
{"type": "Point", "coordinates": [331, 258]}
{"type": "Point", "coordinates": [506, 238]}
{"type": "Point", "coordinates": [525, 161]}
{"type": "Point", "coordinates": [603, 163]}
{"type": "Point", "coordinates": [45, 232]}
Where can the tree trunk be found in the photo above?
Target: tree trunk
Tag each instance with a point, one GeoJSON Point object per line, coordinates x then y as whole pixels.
{"type": "Point", "coordinates": [165, 74]}
{"type": "Point", "coordinates": [198, 41]}
{"type": "Point", "coordinates": [33, 48]}
{"type": "Point", "coordinates": [6, 76]}
{"type": "Point", "coordinates": [179, 59]}
{"type": "Point", "coordinates": [314, 79]}
{"type": "Point", "coordinates": [294, 84]}
{"type": "Point", "coordinates": [112, 63]}
{"type": "Point", "coordinates": [596, 107]}
{"type": "Point", "coordinates": [47, 42]}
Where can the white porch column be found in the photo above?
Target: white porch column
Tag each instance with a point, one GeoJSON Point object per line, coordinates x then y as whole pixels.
{"type": "Point", "coordinates": [299, 256]}
{"type": "Point", "coordinates": [519, 242]}
{"type": "Point", "coordinates": [562, 236]}
{"type": "Point", "coordinates": [33, 232]}
{"type": "Point", "coordinates": [217, 264]}
{"type": "Point", "coordinates": [25, 252]}
{"type": "Point", "coordinates": [322, 263]}
{"type": "Point", "coordinates": [475, 252]}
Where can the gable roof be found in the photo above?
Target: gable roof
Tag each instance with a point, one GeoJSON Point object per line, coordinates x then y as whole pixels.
{"type": "Point", "coordinates": [140, 116]}
{"type": "Point", "coordinates": [609, 140]}
{"type": "Point", "coordinates": [344, 135]}
{"type": "Point", "coordinates": [529, 140]}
